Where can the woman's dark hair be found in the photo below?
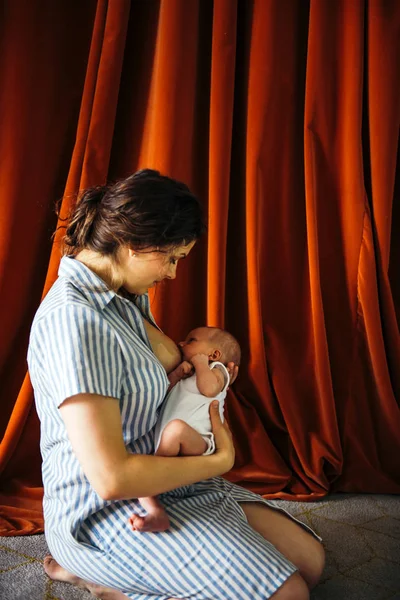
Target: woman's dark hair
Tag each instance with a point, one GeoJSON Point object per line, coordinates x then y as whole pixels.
{"type": "Point", "coordinates": [146, 210]}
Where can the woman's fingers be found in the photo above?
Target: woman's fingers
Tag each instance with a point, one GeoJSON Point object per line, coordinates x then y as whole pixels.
{"type": "Point", "coordinates": [233, 371]}
{"type": "Point", "coordinates": [222, 436]}
{"type": "Point", "coordinates": [216, 423]}
{"type": "Point", "coordinates": [215, 417]}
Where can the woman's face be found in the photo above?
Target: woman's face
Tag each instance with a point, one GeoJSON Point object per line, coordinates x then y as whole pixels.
{"type": "Point", "coordinates": [141, 270]}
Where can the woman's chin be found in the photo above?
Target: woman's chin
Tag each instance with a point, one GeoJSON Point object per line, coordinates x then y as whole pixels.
{"type": "Point", "coordinates": [139, 291]}
{"type": "Point", "coordinates": [133, 291]}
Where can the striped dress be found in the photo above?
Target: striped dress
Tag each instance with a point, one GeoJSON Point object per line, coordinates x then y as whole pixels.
{"type": "Point", "coordinates": [86, 338]}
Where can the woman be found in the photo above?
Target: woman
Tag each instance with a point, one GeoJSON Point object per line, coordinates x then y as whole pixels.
{"type": "Point", "coordinates": [99, 365]}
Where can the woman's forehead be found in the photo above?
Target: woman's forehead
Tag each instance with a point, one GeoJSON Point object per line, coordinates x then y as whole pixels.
{"type": "Point", "coordinates": [181, 250]}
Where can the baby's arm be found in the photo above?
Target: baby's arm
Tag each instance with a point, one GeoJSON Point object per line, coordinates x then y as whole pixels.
{"type": "Point", "coordinates": [210, 382]}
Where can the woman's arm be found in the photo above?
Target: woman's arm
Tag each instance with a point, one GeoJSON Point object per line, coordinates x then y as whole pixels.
{"type": "Point", "coordinates": [94, 428]}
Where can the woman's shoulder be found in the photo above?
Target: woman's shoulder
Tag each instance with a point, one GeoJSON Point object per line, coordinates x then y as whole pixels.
{"type": "Point", "coordinates": [65, 310]}
{"type": "Point", "coordinates": [62, 297]}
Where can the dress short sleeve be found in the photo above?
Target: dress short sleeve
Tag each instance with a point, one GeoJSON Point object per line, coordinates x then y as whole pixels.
{"type": "Point", "coordinates": [77, 351]}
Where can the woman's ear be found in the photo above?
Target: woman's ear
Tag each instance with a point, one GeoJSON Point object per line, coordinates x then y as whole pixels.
{"type": "Point", "coordinates": [131, 252]}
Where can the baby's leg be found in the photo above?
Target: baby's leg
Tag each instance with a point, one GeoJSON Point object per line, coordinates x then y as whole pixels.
{"type": "Point", "coordinates": [178, 438]}
{"type": "Point", "coordinates": [156, 518]}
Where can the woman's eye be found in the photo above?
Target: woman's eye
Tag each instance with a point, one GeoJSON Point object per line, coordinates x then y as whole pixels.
{"type": "Point", "coordinates": [173, 261]}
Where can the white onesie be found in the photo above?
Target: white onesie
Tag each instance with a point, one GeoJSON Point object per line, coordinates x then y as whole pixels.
{"type": "Point", "coordinates": [186, 403]}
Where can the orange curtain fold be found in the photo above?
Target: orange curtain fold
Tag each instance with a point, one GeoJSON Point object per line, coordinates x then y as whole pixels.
{"type": "Point", "coordinates": [88, 165]}
{"type": "Point", "coordinates": [284, 118]}
{"type": "Point", "coordinates": [91, 154]}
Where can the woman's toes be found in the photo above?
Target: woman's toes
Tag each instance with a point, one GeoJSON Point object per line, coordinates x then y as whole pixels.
{"type": "Point", "coordinates": [58, 573]}
{"type": "Point", "coordinates": [50, 566]}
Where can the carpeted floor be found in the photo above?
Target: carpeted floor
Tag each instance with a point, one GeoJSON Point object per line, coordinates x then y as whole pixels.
{"type": "Point", "coordinates": [361, 536]}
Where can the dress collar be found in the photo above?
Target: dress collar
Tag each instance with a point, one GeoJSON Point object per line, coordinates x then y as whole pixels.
{"type": "Point", "coordinates": [95, 289]}
{"type": "Point", "coordinates": [86, 281]}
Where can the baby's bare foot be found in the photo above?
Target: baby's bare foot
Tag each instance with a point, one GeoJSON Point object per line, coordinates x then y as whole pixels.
{"type": "Point", "coordinates": [58, 573]}
{"type": "Point", "coordinates": [154, 522]}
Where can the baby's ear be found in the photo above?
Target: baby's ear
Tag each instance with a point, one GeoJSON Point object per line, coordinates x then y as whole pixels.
{"type": "Point", "coordinates": [216, 354]}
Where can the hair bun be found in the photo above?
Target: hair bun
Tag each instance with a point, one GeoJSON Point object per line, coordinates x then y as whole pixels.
{"type": "Point", "coordinates": [82, 223]}
{"type": "Point", "coordinates": [93, 196]}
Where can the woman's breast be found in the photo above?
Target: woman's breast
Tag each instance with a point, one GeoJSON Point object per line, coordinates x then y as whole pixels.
{"type": "Point", "coordinates": [163, 347]}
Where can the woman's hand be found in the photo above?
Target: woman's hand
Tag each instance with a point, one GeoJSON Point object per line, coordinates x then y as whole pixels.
{"type": "Point", "coordinates": [223, 438]}
{"type": "Point", "coordinates": [233, 371]}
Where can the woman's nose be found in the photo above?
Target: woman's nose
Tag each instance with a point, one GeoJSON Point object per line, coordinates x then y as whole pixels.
{"type": "Point", "coordinates": [171, 271]}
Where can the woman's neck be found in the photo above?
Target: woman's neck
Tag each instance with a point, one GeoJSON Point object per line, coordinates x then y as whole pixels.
{"type": "Point", "coordinates": [101, 265]}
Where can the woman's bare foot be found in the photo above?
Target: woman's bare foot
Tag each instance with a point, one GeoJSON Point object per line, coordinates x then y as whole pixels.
{"type": "Point", "coordinates": [58, 573]}
{"type": "Point", "coordinates": [154, 521]}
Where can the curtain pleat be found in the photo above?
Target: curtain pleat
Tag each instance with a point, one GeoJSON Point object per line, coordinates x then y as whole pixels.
{"type": "Point", "coordinates": [222, 93]}
{"type": "Point", "coordinates": [284, 118]}
{"type": "Point", "coordinates": [91, 153]}
{"type": "Point", "coordinates": [88, 165]}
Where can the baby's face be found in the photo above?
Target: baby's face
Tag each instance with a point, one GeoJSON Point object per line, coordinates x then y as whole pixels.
{"type": "Point", "coordinates": [197, 342]}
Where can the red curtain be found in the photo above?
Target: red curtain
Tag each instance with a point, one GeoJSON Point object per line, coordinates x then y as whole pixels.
{"type": "Point", "coordinates": [283, 116]}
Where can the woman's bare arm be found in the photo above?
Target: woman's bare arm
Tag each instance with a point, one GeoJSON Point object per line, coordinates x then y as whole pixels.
{"type": "Point", "coordinates": [94, 428]}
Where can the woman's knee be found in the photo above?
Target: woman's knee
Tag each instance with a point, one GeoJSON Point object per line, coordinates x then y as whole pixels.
{"type": "Point", "coordinates": [294, 588]}
{"type": "Point", "coordinates": [316, 563]}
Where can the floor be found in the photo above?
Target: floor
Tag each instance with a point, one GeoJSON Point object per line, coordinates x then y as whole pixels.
{"type": "Point", "coordinates": [361, 535]}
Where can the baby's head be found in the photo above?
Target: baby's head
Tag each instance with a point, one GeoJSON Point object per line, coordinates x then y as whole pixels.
{"type": "Point", "coordinates": [216, 343]}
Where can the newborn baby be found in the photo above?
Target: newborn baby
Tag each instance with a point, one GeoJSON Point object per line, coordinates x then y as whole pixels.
{"type": "Point", "coordinates": [184, 426]}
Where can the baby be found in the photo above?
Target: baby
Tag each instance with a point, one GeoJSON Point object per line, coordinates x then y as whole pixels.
{"type": "Point", "coordinates": [184, 426]}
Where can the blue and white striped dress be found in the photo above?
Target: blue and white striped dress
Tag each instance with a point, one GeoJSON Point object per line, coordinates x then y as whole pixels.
{"type": "Point", "coordinates": [86, 338]}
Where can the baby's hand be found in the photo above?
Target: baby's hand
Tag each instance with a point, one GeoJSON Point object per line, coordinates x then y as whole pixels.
{"type": "Point", "coordinates": [186, 369]}
{"type": "Point", "coordinates": [199, 360]}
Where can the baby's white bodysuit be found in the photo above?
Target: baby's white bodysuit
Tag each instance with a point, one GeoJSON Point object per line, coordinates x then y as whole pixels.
{"type": "Point", "coordinates": [186, 403]}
